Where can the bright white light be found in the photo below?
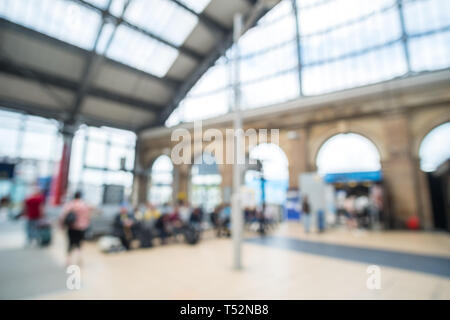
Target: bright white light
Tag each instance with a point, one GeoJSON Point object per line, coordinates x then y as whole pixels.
{"type": "Point", "coordinates": [348, 153]}
{"type": "Point", "coordinates": [435, 148]}
{"type": "Point", "coordinates": [275, 162]}
{"type": "Point", "coordinates": [162, 164]}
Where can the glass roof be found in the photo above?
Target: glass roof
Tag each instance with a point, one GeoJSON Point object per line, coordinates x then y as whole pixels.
{"type": "Point", "coordinates": [60, 19]}
{"type": "Point", "coordinates": [105, 36]}
{"type": "Point", "coordinates": [142, 52]}
{"type": "Point", "coordinates": [117, 7]}
{"type": "Point", "coordinates": [99, 3]}
{"type": "Point", "coordinates": [196, 5]}
{"type": "Point", "coordinates": [163, 18]}
{"type": "Point", "coordinates": [79, 25]}
{"type": "Point", "coordinates": [342, 44]}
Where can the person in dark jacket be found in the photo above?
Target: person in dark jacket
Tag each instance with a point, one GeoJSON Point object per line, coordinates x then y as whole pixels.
{"type": "Point", "coordinates": [306, 211]}
{"type": "Point", "coordinates": [124, 224]}
{"type": "Point", "coordinates": [196, 216]}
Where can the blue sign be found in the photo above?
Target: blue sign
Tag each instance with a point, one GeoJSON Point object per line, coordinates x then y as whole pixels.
{"type": "Point", "coordinates": [374, 176]}
{"type": "Point", "coordinates": [6, 170]}
{"type": "Point", "coordinates": [292, 207]}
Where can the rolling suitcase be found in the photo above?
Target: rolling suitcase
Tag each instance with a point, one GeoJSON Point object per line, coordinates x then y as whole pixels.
{"type": "Point", "coordinates": [191, 235]}
{"type": "Point", "coordinates": [45, 233]}
{"type": "Point", "coordinates": [145, 238]}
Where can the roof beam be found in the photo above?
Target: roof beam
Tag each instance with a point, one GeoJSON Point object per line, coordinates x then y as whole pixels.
{"type": "Point", "coordinates": [49, 112]}
{"type": "Point", "coordinates": [252, 2]}
{"type": "Point", "coordinates": [185, 50]}
{"type": "Point", "coordinates": [31, 108]}
{"type": "Point", "coordinates": [92, 64]}
{"type": "Point", "coordinates": [167, 81]}
{"type": "Point", "coordinates": [70, 85]}
{"type": "Point", "coordinates": [222, 45]}
{"type": "Point", "coordinates": [205, 19]}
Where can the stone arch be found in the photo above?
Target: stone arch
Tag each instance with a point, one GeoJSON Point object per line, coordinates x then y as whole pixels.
{"type": "Point", "coordinates": [430, 146]}
{"type": "Point", "coordinates": [205, 189]}
{"type": "Point", "coordinates": [423, 130]}
{"type": "Point", "coordinates": [150, 157]}
{"type": "Point", "coordinates": [150, 179]}
{"type": "Point", "coordinates": [341, 162]}
{"type": "Point", "coordinates": [328, 134]}
{"type": "Point", "coordinates": [276, 173]}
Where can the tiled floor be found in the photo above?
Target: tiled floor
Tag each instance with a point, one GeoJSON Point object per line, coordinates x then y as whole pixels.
{"type": "Point", "coordinates": [287, 265]}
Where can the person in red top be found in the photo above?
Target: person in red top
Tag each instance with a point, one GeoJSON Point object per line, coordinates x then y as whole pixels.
{"type": "Point", "coordinates": [33, 211]}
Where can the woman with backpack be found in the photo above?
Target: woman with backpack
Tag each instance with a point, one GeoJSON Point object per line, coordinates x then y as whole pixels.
{"type": "Point", "coordinates": [75, 217]}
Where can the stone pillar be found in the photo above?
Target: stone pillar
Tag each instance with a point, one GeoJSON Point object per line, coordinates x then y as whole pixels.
{"type": "Point", "coordinates": [181, 181]}
{"type": "Point", "coordinates": [400, 172]}
{"type": "Point", "coordinates": [424, 197]}
{"type": "Point", "coordinates": [294, 143]}
{"type": "Point", "coordinates": [140, 178]}
{"type": "Point", "coordinates": [140, 188]}
{"type": "Point", "coordinates": [226, 171]}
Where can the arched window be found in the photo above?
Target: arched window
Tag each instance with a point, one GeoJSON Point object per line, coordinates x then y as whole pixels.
{"type": "Point", "coordinates": [274, 171]}
{"type": "Point", "coordinates": [435, 148]}
{"type": "Point", "coordinates": [161, 181]}
{"type": "Point", "coordinates": [205, 183]}
{"type": "Point", "coordinates": [347, 152]}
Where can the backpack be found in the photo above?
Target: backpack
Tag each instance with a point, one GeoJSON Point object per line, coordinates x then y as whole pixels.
{"type": "Point", "coordinates": [70, 219]}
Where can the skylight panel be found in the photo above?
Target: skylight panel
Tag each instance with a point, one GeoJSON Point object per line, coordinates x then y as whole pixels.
{"type": "Point", "coordinates": [162, 17]}
{"type": "Point", "coordinates": [60, 19]}
{"type": "Point", "coordinates": [196, 5]}
{"type": "Point", "coordinates": [99, 3]}
{"type": "Point", "coordinates": [117, 7]}
{"type": "Point", "coordinates": [105, 37]}
{"type": "Point", "coordinates": [141, 52]}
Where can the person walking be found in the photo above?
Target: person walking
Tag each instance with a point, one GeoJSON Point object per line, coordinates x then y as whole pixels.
{"type": "Point", "coordinates": [76, 217]}
{"type": "Point", "coordinates": [306, 210]}
{"type": "Point", "coordinates": [34, 211]}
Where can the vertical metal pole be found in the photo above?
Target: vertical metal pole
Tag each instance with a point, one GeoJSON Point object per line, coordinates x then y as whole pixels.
{"type": "Point", "coordinates": [404, 34]}
{"type": "Point", "coordinates": [236, 214]}
{"type": "Point", "coordinates": [83, 163]}
{"type": "Point", "coordinates": [298, 46]}
{"type": "Point", "coordinates": [136, 185]}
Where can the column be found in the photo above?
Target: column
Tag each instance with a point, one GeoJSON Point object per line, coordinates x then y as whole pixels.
{"type": "Point", "coordinates": [60, 183]}
{"type": "Point", "coordinates": [181, 181]}
{"type": "Point", "coordinates": [294, 143]}
{"type": "Point", "coordinates": [140, 176]}
{"type": "Point", "coordinates": [400, 172]}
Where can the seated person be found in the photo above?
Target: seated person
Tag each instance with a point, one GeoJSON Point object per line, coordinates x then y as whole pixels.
{"type": "Point", "coordinates": [215, 216]}
{"type": "Point", "coordinates": [124, 226]}
{"type": "Point", "coordinates": [224, 221]}
{"type": "Point", "coordinates": [174, 221]}
{"type": "Point", "coordinates": [161, 226]}
{"type": "Point", "coordinates": [196, 216]}
{"type": "Point", "coordinates": [184, 211]}
{"type": "Point", "coordinates": [152, 213]}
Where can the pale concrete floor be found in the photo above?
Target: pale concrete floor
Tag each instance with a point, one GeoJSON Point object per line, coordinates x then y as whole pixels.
{"type": "Point", "coordinates": [204, 271]}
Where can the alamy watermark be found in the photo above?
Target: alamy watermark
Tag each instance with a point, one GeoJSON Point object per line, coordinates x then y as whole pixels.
{"type": "Point", "coordinates": [73, 281]}
{"type": "Point", "coordinates": [227, 146]}
{"type": "Point", "coordinates": [374, 280]}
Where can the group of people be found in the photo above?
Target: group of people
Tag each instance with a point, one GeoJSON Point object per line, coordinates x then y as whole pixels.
{"type": "Point", "coordinates": [355, 210]}
{"type": "Point", "coordinates": [263, 218]}
{"type": "Point", "coordinates": [75, 219]}
{"type": "Point", "coordinates": [361, 210]}
{"type": "Point", "coordinates": [145, 224]}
